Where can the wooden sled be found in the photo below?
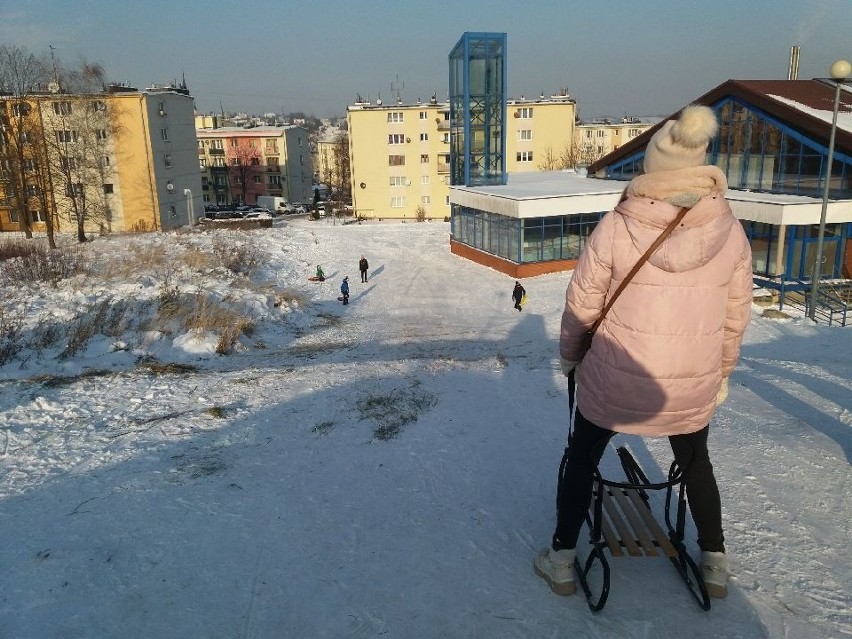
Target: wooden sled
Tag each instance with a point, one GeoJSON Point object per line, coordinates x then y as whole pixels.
{"type": "Point", "coordinates": [620, 519]}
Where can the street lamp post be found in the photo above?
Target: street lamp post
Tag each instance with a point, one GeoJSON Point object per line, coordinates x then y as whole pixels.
{"type": "Point", "coordinates": [190, 209]}
{"type": "Point", "coordinates": [839, 71]}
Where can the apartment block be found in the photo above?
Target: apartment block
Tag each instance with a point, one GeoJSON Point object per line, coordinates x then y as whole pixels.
{"type": "Point", "coordinates": [239, 164]}
{"type": "Point", "coordinates": [599, 137]}
{"type": "Point", "coordinates": [400, 153]}
{"type": "Point", "coordinates": [120, 160]}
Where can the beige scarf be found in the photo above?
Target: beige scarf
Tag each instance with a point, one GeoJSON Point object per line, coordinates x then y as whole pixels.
{"type": "Point", "coordinates": [681, 187]}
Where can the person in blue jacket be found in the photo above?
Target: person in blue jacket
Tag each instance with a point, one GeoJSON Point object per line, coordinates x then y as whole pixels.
{"type": "Point", "coordinates": [344, 289]}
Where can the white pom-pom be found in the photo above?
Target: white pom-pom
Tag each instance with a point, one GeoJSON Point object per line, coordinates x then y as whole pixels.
{"type": "Point", "coordinates": [696, 125]}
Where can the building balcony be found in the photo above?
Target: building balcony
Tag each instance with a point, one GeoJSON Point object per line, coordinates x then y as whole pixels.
{"type": "Point", "coordinates": [443, 167]}
{"type": "Point", "coordinates": [443, 125]}
{"type": "Point", "coordinates": [217, 151]}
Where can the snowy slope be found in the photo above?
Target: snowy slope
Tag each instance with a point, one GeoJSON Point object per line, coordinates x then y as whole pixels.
{"type": "Point", "coordinates": [386, 469]}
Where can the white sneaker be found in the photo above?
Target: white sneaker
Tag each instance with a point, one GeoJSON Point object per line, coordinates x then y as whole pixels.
{"type": "Point", "coordinates": [715, 570]}
{"type": "Point", "coordinates": [556, 567]}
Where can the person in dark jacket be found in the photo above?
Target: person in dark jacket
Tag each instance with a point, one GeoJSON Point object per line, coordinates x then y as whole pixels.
{"type": "Point", "coordinates": [518, 294]}
{"type": "Point", "coordinates": [363, 266]}
{"type": "Point", "coordinates": [344, 289]}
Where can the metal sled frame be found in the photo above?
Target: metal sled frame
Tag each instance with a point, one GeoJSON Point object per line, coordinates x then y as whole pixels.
{"type": "Point", "coordinates": [620, 517]}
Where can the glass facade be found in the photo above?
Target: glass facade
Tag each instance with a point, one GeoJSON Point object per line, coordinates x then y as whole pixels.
{"type": "Point", "coordinates": [760, 153]}
{"type": "Point", "coordinates": [537, 239]}
{"type": "Point", "coordinates": [800, 246]}
{"type": "Point", "coordinates": [477, 110]}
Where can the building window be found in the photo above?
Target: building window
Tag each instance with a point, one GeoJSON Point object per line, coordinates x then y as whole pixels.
{"type": "Point", "coordinates": [395, 116]}
{"type": "Point", "coordinates": [425, 199]}
{"type": "Point", "coordinates": [255, 161]}
{"type": "Point", "coordinates": [216, 144]}
{"type": "Point", "coordinates": [62, 108]}
{"type": "Point", "coordinates": [588, 135]}
{"type": "Point", "coordinates": [398, 180]}
{"type": "Point", "coordinates": [105, 161]}
{"type": "Point", "coordinates": [525, 113]}
{"type": "Point", "coordinates": [108, 190]}
{"type": "Point", "coordinates": [272, 163]}
{"type": "Point", "coordinates": [172, 211]}
{"type": "Point", "coordinates": [33, 190]}
{"type": "Point", "coordinates": [98, 105]}
{"type": "Point", "coordinates": [424, 158]}
{"type": "Point", "coordinates": [233, 142]}
{"type": "Point", "coordinates": [38, 215]}
{"type": "Point", "coordinates": [202, 163]}
{"type": "Point", "coordinates": [220, 162]}
{"type": "Point", "coordinates": [167, 159]}
{"type": "Point", "coordinates": [601, 133]}
{"type": "Point", "coordinates": [164, 135]}
{"type": "Point", "coordinates": [256, 179]}
{"type": "Point", "coordinates": [271, 147]}
{"type": "Point", "coordinates": [424, 137]}
{"type": "Point", "coordinates": [67, 164]}
{"type": "Point", "coordinates": [424, 179]}
{"type": "Point", "coordinates": [396, 138]}
{"type": "Point", "coordinates": [396, 160]}
{"type": "Point", "coordinates": [524, 156]}
{"type": "Point", "coordinates": [525, 134]}
{"type": "Point", "coordinates": [423, 115]}
{"type": "Point", "coordinates": [274, 181]}
{"type": "Point", "coordinates": [398, 201]}
{"type": "Point", "coordinates": [101, 134]}
{"type": "Point", "coordinates": [20, 109]}
{"type": "Point", "coordinates": [66, 137]}
{"type": "Point", "coordinates": [445, 138]}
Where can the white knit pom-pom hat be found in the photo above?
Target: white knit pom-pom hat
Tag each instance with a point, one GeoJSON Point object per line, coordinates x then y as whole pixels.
{"type": "Point", "coordinates": [683, 142]}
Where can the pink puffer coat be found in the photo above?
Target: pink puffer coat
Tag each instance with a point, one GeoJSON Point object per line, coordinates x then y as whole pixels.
{"type": "Point", "coordinates": [658, 359]}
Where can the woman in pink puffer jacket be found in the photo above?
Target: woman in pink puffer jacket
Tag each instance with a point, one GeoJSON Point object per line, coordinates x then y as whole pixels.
{"type": "Point", "coordinates": [659, 362]}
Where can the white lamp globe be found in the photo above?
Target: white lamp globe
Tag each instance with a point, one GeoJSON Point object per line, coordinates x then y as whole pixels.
{"type": "Point", "coordinates": [840, 70]}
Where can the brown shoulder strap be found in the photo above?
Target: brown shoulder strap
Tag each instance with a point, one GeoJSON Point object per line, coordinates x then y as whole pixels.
{"type": "Point", "coordinates": [637, 266]}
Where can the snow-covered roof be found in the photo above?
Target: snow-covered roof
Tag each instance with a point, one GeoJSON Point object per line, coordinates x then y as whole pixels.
{"type": "Point", "coordinates": [550, 193]}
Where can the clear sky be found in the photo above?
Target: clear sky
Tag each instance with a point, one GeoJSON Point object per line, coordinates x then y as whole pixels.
{"type": "Point", "coordinates": [615, 57]}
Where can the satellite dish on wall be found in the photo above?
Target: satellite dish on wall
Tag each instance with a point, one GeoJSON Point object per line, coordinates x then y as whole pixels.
{"type": "Point", "coordinates": [53, 86]}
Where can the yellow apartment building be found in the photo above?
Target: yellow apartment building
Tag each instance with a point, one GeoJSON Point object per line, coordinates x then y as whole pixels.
{"type": "Point", "coordinates": [400, 153]}
{"type": "Point", "coordinates": [126, 157]}
{"type": "Point", "coordinates": [599, 137]}
{"type": "Point", "coordinates": [239, 164]}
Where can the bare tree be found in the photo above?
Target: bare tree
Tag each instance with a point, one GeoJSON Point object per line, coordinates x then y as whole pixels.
{"type": "Point", "coordinates": [243, 165]}
{"type": "Point", "coordinates": [568, 158]}
{"type": "Point", "coordinates": [77, 138]}
{"type": "Point", "coordinates": [339, 171]}
{"type": "Point", "coordinates": [21, 76]}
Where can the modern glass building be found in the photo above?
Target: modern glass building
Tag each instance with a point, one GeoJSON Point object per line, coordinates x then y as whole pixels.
{"type": "Point", "coordinates": [773, 140]}
{"type": "Point", "coordinates": [773, 147]}
{"type": "Point", "coordinates": [477, 109]}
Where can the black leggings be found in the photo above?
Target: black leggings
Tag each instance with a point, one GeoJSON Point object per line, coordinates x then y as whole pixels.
{"type": "Point", "coordinates": [585, 449]}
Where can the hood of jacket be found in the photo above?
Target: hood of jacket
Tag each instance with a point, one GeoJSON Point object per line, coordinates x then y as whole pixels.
{"type": "Point", "coordinates": [653, 200]}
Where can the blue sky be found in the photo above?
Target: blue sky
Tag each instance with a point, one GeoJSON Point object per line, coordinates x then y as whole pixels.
{"type": "Point", "coordinates": [615, 57]}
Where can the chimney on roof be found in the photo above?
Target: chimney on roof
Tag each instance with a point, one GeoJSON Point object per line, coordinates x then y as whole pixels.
{"type": "Point", "coordinates": [793, 71]}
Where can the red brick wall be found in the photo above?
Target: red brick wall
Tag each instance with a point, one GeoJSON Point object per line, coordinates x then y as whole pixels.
{"type": "Point", "coordinates": [518, 271]}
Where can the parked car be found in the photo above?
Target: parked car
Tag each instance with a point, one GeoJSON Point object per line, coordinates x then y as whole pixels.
{"type": "Point", "coordinates": [258, 214]}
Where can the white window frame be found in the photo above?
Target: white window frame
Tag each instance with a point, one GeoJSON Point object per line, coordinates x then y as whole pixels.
{"type": "Point", "coordinates": [396, 117]}
{"type": "Point", "coordinates": [397, 201]}
{"type": "Point", "coordinates": [524, 135]}
{"type": "Point", "coordinates": [396, 138]}
{"type": "Point", "coordinates": [425, 199]}
{"type": "Point", "coordinates": [425, 179]}
{"type": "Point", "coordinates": [62, 108]}
{"type": "Point", "coordinates": [524, 156]}
{"type": "Point", "coordinates": [397, 181]}
{"type": "Point", "coordinates": [525, 113]}
{"type": "Point", "coordinates": [424, 137]}
{"type": "Point", "coordinates": [164, 135]}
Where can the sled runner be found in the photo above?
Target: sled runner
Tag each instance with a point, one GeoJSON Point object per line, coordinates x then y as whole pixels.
{"type": "Point", "coordinates": [620, 519]}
